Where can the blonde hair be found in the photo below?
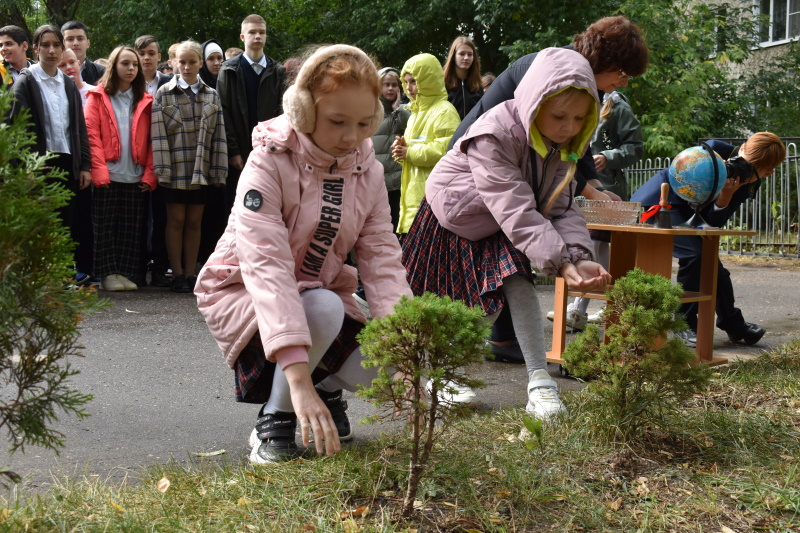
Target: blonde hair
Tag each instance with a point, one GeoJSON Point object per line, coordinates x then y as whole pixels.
{"type": "Point", "coordinates": [565, 97]}
{"type": "Point", "coordinates": [192, 46]}
{"type": "Point", "coordinates": [605, 111]}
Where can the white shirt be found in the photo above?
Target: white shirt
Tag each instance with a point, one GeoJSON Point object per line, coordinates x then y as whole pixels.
{"type": "Point", "coordinates": [84, 91]}
{"type": "Point", "coordinates": [124, 170]}
{"type": "Point", "coordinates": [56, 109]}
{"type": "Point", "coordinates": [152, 86]}
{"type": "Point", "coordinates": [183, 85]}
{"type": "Point", "coordinates": [257, 66]}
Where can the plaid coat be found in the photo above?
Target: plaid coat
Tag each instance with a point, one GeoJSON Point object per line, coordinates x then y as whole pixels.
{"type": "Point", "coordinates": [188, 150]}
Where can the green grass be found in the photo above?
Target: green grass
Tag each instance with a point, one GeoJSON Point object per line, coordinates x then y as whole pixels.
{"type": "Point", "coordinates": [731, 460]}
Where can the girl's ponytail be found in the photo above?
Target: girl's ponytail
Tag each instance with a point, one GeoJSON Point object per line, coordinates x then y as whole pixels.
{"type": "Point", "coordinates": [571, 170]}
{"type": "Point", "coordinates": [608, 105]}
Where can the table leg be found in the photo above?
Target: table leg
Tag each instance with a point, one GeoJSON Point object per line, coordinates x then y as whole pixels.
{"type": "Point", "coordinates": [706, 310]}
{"type": "Point", "coordinates": [559, 325]}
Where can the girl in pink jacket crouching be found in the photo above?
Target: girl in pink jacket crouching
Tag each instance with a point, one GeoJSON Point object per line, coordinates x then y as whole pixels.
{"type": "Point", "coordinates": [500, 200]}
{"type": "Point", "coordinates": [276, 294]}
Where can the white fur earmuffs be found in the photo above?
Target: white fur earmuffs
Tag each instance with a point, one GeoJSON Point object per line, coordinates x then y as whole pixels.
{"type": "Point", "coordinates": [298, 102]}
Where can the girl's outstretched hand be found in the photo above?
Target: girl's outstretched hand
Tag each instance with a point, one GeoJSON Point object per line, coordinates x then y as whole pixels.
{"type": "Point", "coordinates": [585, 276]}
{"type": "Point", "coordinates": [312, 414]}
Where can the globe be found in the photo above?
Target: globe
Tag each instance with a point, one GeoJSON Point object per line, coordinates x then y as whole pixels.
{"type": "Point", "coordinates": [691, 175]}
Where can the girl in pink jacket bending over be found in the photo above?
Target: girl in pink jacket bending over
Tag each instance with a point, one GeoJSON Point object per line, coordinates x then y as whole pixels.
{"type": "Point", "coordinates": [501, 200]}
{"type": "Point", "coordinates": [276, 294]}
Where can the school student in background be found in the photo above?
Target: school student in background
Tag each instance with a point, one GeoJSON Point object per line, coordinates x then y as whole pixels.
{"type": "Point", "coordinates": [250, 88]}
{"type": "Point", "coordinates": [14, 49]}
{"type": "Point", "coordinates": [431, 125]}
{"type": "Point", "coordinates": [57, 122]}
{"type": "Point", "coordinates": [70, 66]}
{"type": "Point", "coordinates": [190, 158]}
{"type": "Point", "coordinates": [118, 119]}
{"type": "Point", "coordinates": [76, 36]}
{"type": "Point", "coordinates": [156, 257]}
{"type": "Point", "coordinates": [462, 75]}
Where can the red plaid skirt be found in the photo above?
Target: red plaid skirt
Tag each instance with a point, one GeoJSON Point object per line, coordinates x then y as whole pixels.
{"type": "Point", "coordinates": [439, 261]}
{"type": "Point", "coordinates": [253, 373]}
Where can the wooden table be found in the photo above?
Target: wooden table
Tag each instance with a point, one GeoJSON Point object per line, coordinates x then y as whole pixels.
{"type": "Point", "coordinates": [650, 249]}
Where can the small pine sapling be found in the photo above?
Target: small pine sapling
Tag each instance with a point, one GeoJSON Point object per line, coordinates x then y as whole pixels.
{"type": "Point", "coordinates": [40, 310]}
{"type": "Point", "coordinates": [426, 338]}
{"type": "Point", "coordinates": [635, 380]}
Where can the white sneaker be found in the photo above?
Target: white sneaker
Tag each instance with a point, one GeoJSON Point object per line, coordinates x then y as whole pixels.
{"type": "Point", "coordinates": [111, 283]}
{"type": "Point", "coordinates": [597, 318]}
{"type": "Point", "coordinates": [128, 284]}
{"type": "Point", "coordinates": [575, 319]}
{"type": "Point", "coordinates": [543, 400]}
{"type": "Point", "coordinates": [452, 393]}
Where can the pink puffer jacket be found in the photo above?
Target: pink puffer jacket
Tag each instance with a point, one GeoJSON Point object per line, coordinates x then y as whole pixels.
{"type": "Point", "coordinates": [298, 212]}
{"type": "Point", "coordinates": [485, 183]}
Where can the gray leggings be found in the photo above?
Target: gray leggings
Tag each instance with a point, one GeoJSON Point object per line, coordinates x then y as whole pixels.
{"type": "Point", "coordinates": [526, 315]}
{"type": "Point", "coordinates": [325, 314]}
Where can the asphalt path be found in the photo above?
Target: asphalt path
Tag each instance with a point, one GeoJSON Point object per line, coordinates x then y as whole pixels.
{"type": "Point", "coordinates": [163, 392]}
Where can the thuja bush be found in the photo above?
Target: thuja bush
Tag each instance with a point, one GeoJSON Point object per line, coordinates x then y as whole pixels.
{"type": "Point", "coordinates": [635, 381]}
{"type": "Point", "coordinates": [426, 338]}
{"type": "Point", "coordinates": [40, 310]}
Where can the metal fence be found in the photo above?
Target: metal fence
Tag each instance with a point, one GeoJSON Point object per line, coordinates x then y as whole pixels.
{"type": "Point", "coordinates": [773, 214]}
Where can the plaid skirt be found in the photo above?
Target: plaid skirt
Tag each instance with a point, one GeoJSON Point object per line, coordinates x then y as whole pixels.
{"type": "Point", "coordinates": [253, 374]}
{"type": "Point", "coordinates": [439, 261]}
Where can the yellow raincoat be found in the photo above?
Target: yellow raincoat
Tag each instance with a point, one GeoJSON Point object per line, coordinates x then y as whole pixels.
{"type": "Point", "coordinates": [433, 122]}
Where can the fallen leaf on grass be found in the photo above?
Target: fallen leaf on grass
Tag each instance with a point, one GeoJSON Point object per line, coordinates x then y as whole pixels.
{"type": "Point", "coordinates": [5, 513]}
{"type": "Point", "coordinates": [616, 504]}
{"type": "Point", "coordinates": [726, 529]}
{"type": "Point", "coordinates": [362, 511]}
{"type": "Point", "coordinates": [786, 457]}
{"type": "Point", "coordinates": [208, 454]}
{"type": "Point", "coordinates": [243, 501]}
{"type": "Point", "coordinates": [309, 527]}
{"type": "Point", "coordinates": [503, 493]}
{"type": "Point", "coordinates": [162, 485]}
{"type": "Point", "coordinates": [418, 504]}
{"type": "Point", "coordinates": [116, 506]}
{"type": "Point", "coordinates": [388, 494]}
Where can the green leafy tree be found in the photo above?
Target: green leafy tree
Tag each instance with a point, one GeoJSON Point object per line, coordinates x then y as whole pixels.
{"type": "Point", "coordinates": [634, 380]}
{"type": "Point", "coordinates": [40, 312]}
{"type": "Point", "coordinates": [426, 338]}
{"type": "Point", "coordinates": [688, 91]}
{"type": "Point", "coordinates": [772, 95]}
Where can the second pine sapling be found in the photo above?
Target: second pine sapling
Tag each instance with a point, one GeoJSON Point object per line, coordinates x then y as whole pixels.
{"type": "Point", "coordinates": [426, 338]}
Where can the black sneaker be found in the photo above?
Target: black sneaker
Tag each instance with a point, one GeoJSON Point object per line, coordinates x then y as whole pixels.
{"type": "Point", "coordinates": [748, 334]}
{"type": "Point", "coordinates": [180, 284]}
{"type": "Point", "coordinates": [337, 406]}
{"type": "Point", "coordinates": [275, 444]}
{"type": "Point", "coordinates": [158, 278]}
{"type": "Point", "coordinates": [509, 353]}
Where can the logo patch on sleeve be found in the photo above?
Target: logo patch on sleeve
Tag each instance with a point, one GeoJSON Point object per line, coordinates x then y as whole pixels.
{"type": "Point", "coordinates": [253, 200]}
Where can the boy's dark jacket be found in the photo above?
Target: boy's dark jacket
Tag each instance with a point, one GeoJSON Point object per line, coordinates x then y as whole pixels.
{"type": "Point", "coordinates": [232, 93]}
{"type": "Point", "coordinates": [650, 193]}
{"type": "Point", "coordinates": [28, 96]}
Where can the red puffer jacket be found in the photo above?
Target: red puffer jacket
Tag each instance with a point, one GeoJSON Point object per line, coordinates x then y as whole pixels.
{"type": "Point", "coordinates": [101, 124]}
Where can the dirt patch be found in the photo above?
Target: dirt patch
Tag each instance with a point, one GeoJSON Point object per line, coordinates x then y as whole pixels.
{"type": "Point", "coordinates": [791, 264]}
